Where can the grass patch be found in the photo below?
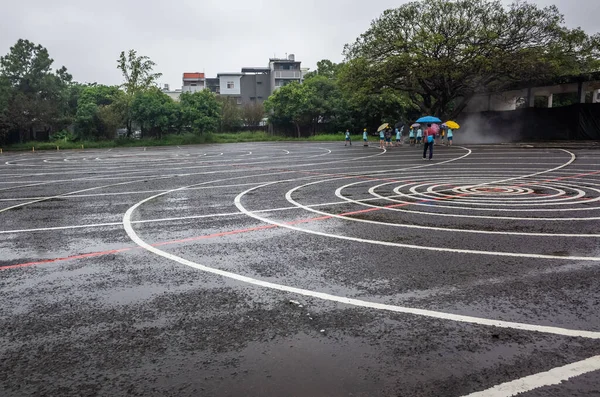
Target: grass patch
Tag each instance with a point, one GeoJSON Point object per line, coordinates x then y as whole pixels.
{"type": "Point", "coordinates": [254, 136]}
{"type": "Point", "coordinates": [179, 140]}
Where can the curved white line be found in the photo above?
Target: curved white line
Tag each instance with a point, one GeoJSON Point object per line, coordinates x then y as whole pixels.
{"type": "Point", "coordinates": [385, 243]}
{"type": "Point", "coordinates": [127, 225]}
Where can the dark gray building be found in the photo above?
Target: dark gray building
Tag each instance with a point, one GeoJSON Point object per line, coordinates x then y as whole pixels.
{"type": "Point", "coordinates": [255, 84]}
{"type": "Point", "coordinates": [213, 85]}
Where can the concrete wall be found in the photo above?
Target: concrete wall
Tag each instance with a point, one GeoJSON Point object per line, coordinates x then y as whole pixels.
{"type": "Point", "coordinates": [188, 87]}
{"type": "Point", "coordinates": [495, 102]}
{"type": "Point", "coordinates": [174, 95]}
{"type": "Point", "coordinates": [224, 79]}
{"type": "Point", "coordinates": [507, 100]}
{"type": "Point", "coordinates": [255, 87]}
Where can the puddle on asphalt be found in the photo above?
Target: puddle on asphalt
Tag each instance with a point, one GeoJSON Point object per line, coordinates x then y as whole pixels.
{"type": "Point", "coordinates": [317, 360]}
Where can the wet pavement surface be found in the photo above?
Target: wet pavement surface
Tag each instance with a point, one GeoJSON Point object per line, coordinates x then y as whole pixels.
{"type": "Point", "coordinates": [301, 269]}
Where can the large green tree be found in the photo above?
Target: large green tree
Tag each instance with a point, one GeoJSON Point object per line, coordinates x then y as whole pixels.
{"type": "Point", "coordinates": [327, 97]}
{"type": "Point", "coordinates": [253, 114]}
{"type": "Point", "coordinates": [231, 114]}
{"type": "Point", "coordinates": [325, 68]}
{"type": "Point", "coordinates": [155, 112]}
{"type": "Point", "coordinates": [200, 112]}
{"type": "Point", "coordinates": [294, 103]}
{"type": "Point", "coordinates": [5, 92]}
{"type": "Point", "coordinates": [100, 111]}
{"type": "Point", "coordinates": [138, 73]}
{"type": "Point", "coordinates": [442, 52]}
{"type": "Point", "coordinates": [370, 106]}
{"type": "Point", "coordinates": [35, 96]}
{"type": "Point", "coordinates": [330, 105]}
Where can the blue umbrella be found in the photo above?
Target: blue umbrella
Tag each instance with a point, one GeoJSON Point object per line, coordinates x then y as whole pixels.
{"type": "Point", "coordinates": [429, 119]}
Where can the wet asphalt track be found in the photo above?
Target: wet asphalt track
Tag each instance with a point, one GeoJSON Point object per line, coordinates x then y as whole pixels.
{"type": "Point", "coordinates": [300, 269]}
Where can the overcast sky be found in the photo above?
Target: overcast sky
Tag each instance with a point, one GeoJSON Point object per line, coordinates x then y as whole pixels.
{"type": "Point", "coordinates": [205, 35]}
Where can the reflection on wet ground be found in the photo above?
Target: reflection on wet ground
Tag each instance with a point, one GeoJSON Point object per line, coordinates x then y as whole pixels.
{"type": "Point", "coordinates": [87, 311]}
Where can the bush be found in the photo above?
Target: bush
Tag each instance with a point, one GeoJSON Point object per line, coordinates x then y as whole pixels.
{"type": "Point", "coordinates": [64, 136]}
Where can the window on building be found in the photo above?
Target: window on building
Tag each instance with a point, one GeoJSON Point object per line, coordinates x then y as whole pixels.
{"type": "Point", "coordinates": [252, 98]}
{"type": "Point", "coordinates": [230, 85]}
{"type": "Point", "coordinates": [259, 97]}
{"type": "Point", "coordinates": [193, 84]}
{"type": "Point", "coordinates": [259, 82]}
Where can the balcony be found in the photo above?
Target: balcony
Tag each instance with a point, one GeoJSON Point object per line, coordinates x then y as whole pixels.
{"type": "Point", "coordinates": [288, 74]}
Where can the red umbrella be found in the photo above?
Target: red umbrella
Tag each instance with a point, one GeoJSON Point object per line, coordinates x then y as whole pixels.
{"type": "Point", "coordinates": [435, 128]}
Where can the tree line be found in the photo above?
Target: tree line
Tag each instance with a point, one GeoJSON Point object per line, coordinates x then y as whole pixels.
{"type": "Point", "coordinates": [424, 57]}
{"type": "Point", "coordinates": [37, 102]}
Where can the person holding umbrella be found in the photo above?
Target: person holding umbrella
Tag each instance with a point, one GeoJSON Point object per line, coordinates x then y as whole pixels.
{"type": "Point", "coordinates": [436, 129]}
{"type": "Point", "coordinates": [450, 125]}
{"type": "Point", "coordinates": [382, 128]}
{"type": "Point", "coordinates": [429, 136]}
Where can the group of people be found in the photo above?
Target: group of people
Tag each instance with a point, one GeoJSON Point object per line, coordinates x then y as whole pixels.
{"type": "Point", "coordinates": [416, 136]}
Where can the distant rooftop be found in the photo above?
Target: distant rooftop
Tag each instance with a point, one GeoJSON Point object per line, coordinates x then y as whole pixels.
{"type": "Point", "coordinates": [288, 58]}
{"type": "Point", "coordinates": [230, 74]}
{"type": "Point", "coordinates": [255, 70]}
{"type": "Point", "coordinates": [195, 75]}
{"type": "Point", "coordinates": [283, 60]}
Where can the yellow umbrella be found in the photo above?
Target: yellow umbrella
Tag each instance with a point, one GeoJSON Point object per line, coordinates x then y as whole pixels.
{"type": "Point", "coordinates": [383, 127]}
{"type": "Point", "coordinates": [452, 125]}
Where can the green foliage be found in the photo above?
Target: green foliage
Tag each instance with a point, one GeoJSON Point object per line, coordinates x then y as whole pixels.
{"type": "Point", "coordinates": [137, 71]}
{"type": "Point", "coordinates": [99, 111]}
{"type": "Point", "coordinates": [179, 140]}
{"type": "Point", "coordinates": [139, 76]}
{"type": "Point", "coordinates": [63, 136]}
{"type": "Point", "coordinates": [155, 112]}
{"type": "Point", "coordinates": [325, 68]}
{"type": "Point", "coordinates": [5, 93]}
{"type": "Point", "coordinates": [200, 112]}
{"type": "Point", "coordinates": [32, 96]}
{"type": "Point", "coordinates": [442, 52]}
{"type": "Point", "coordinates": [370, 106]}
{"type": "Point", "coordinates": [231, 114]}
{"type": "Point", "coordinates": [330, 95]}
{"type": "Point", "coordinates": [294, 103]}
{"type": "Point", "coordinates": [253, 114]}
{"type": "Point", "coordinates": [330, 104]}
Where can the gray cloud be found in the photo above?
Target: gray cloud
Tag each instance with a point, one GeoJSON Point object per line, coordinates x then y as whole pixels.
{"type": "Point", "coordinates": [207, 35]}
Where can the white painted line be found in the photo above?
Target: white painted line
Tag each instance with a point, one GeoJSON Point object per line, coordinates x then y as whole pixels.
{"type": "Point", "coordinates": [127, 224]}
{"type": "Point", "coordinates": [549, 378]}
{"type": "Point", "coordinates": [161, 220]}
{"type": "Point", "coordinates": [411, 246]}
{"type": "Point", "coordinates": [390, 244]}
